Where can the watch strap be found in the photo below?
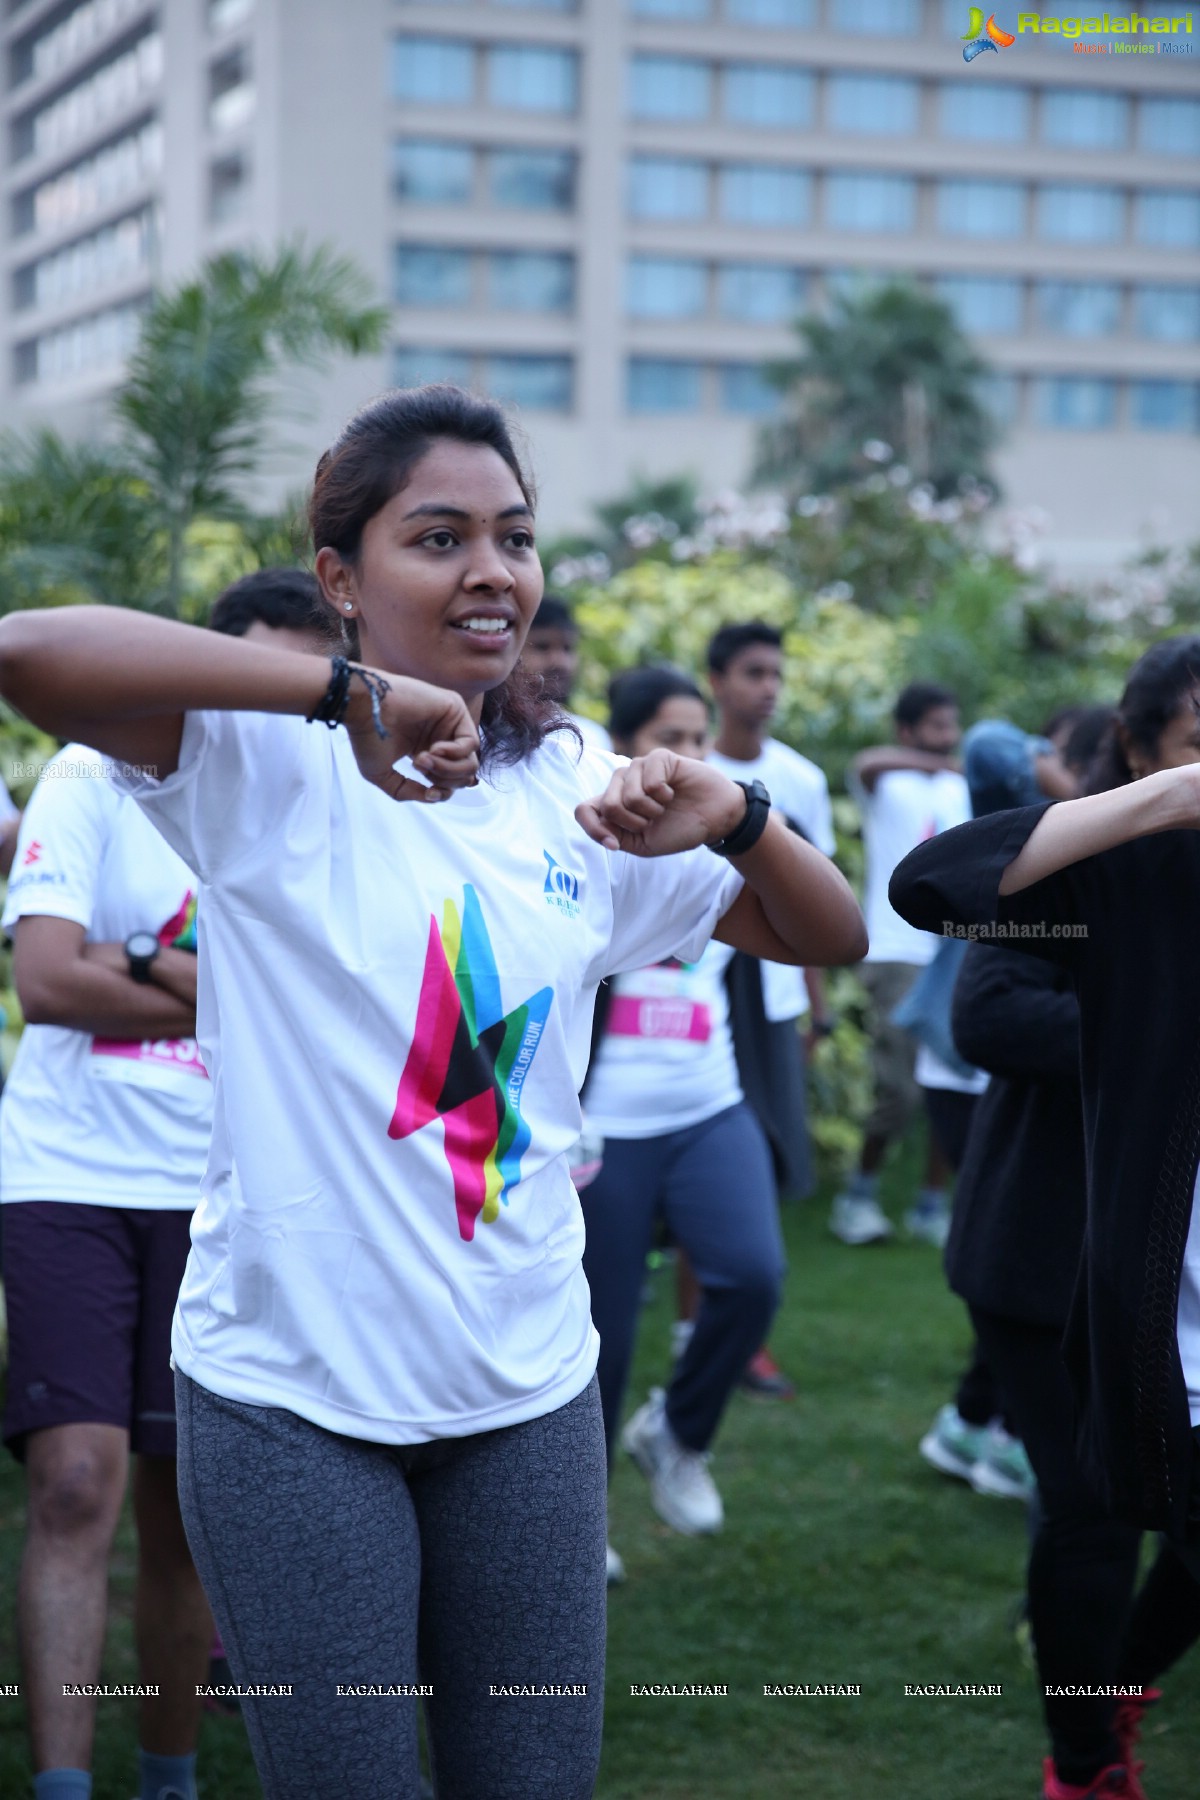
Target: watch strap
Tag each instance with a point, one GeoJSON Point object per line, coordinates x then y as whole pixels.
{"type": "Point", "coordinates": [744, 836]}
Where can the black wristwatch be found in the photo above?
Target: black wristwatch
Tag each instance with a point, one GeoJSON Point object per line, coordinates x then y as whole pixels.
{"type": "Point", "coordinates": [141, 948]}
{"type": "Point", "coordinates": [743, 837]}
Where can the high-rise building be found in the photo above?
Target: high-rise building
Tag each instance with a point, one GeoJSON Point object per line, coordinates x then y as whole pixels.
{"type": "Point", "coordinates": [609, 211]}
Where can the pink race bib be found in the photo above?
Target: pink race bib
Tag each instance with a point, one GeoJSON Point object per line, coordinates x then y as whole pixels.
{"type": "Point", "coordinates": [660, 1016]}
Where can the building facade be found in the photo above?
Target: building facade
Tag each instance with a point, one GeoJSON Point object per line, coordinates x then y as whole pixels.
{"type": "Point", "coordinates": [608, 212]}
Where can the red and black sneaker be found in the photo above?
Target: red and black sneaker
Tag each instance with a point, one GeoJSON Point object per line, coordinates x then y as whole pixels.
{"type": "Point", "coordinates": [1131, 1715]}
{"type": "Point", "coordinates": [764, 1377]}
{"type": "Point", "coordinates": [1117, 1782]}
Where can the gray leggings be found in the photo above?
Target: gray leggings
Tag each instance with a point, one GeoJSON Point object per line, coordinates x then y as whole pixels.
{"type": "Point", "coordinates": [469, 1564]}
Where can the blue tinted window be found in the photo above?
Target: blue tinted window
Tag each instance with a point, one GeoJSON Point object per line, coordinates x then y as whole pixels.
{"type": "Point", "coordinates": [876, 105]}
{"type": "Point", "coordinates": [531, 280]}
{"type": "Point", "coordinates": [982, 303]}
{"type": "Point", "coordinates": [426, 170]}
{"type": "Point", "coordinates": [529, 78]}
{"type": "Point", "coordinates": [542, 383]}
{"type": "Point", "coordinates": [771, 12]}
{"type": "Point", "coordinates": [667, 187]}
{"type": "Point", "coordinates": [745, 389]}
{"type": "Point", "coordinates": [665, 287]}
{"type": "Point", "coordinates": [1087, 119]}
{"type": "Point", "coordinates": [1075, 402]}
{"type": "Point", "coordinates": [669, 87]}
{"type": "Point", "coordinates": [1169, 314]}
{"type": "Point", "coordinates": [761, 292]}
{"type": "Point", "coordinates": [870, 202]}
{"type": "Point", "coordinates": [1169, 219]}
{"type": "Point", "coordinates": [1165, 405]}
{"type": "Point", "coordinates": [761, 194]}
{"type": "Point", "coordinates": [540, 180]}
{"type": "Point", "coordinates": [662, 385]}
{"type": "Point", "coordinates": [1079, 308]}
{"type": "Point", "coordinates": [413, 368]}
{"type": "Point", "coordinates": [981, 209]}
{"type": "Point", "coordinates": [1169, 127]}
{"type": "Point", "coordinates": [431, 275]}
{"type": "Point", "coordinates": [760, 94]}
{"type": "Point", "coordinates": [876, 18]}
{"type": "Point", "coordinates": [433, 69]}
{"type": "Point", "coordinates": [985, 112]}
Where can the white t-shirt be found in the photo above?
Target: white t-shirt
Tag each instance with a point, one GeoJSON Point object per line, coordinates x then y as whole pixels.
{"type": "Point", "coordinates": [905, 807]}
{"type": "Point", "coordinates": [395, 1006]}
{"type": "Point", "coordinates": [106, 1122]}
{"type": "Point", "coordinates": [930, 1071]}
{"type": "Point", "coordinates": [1188, 1319]}
{"type": "Point", "coordinates": [798, 788]}
{"type": "Point", "coordinates": [666, 1058]}
{"type": "Point", "coordinates": [594, 736]}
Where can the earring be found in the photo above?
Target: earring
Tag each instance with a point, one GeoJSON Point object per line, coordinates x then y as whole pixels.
{"type": "Point", "coordinates": [349, 605]}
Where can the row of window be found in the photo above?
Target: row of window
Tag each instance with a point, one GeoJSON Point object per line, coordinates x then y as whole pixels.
{"type": "Point", "coordinates": [673, 385]}
{"type": "Point", "coordinates": [91, 346]}
{"type": "Point", "coordinates": [92, 184]}
{"type": "Point", "coordinates": [57, 45]}
{"type": "Point", "coordinates": [668, 187]}
{"type": "Point", "coordinates": [671, 287]}
{"type": "Point", "coordinates": [855, 18]}
{"type": "Point", "coordinates": [112, 88]}
{"type": "Point", "coordinates": [101, 259]}
{"type": "Point", "coordinates": [860, 200]}
{"type": "Point", "coordinates": [542, 78]}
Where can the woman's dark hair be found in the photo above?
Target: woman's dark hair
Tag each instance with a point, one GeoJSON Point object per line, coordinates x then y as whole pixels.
{"type": "Point", "coordinates": [369, 464]}
{"type": "Point", "coordinates": [1160, 684]}
{"type": "Point", "coordinates": [1089, 727]}
{"type": "Point", "coordinates": [635, 695]}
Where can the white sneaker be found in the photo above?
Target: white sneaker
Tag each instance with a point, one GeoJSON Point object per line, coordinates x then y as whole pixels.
{"type": "Point", "coordinates": [616, 1568]}
{"type": "Point", "coordinates": [858, 1220]}
{"type": "Point", "coordinates": [682, 1491]}
{"type": "Point", "coordinates": [929, 1224]}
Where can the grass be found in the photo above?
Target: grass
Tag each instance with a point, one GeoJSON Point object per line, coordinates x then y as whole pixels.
{"type": "Point", "coordinates": [844, 1560]}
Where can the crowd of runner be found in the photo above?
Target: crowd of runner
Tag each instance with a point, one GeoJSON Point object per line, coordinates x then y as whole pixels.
{"type": "Point", "coordinates": [364, 1067]}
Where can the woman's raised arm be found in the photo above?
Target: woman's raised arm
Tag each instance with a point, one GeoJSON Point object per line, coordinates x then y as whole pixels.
{"type": "Point", "coordinates": [1074, 829]}
{"type": "Point", "coordinates": [121, 681]}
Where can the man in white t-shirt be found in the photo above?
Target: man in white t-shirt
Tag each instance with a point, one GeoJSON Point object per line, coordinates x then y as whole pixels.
{"type": "Point", "coordinates": [745, 673]}
{"type": "Point", "coordinates": [552, 651]}
{"type": "Point", "coordinates": [908, 791]}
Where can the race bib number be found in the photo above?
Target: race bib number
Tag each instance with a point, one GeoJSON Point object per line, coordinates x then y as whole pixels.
{"type": "Point", "coordinates": [660, 1016]}
{"type": "Point", "coordinates": [163, 1063]}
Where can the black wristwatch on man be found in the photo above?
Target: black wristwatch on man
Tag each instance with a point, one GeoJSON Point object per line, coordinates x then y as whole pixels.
{"type": "Point", "coordinates": [141, 948]}
{"type": "Point", "coordinates": [743, 837]}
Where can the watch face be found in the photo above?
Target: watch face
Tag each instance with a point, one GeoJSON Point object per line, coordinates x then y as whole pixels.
{"type": "Point", "coordinates": [141, 944]}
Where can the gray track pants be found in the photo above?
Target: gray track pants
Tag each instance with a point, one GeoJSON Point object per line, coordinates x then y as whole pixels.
{"type": "Point", "coordinates": [470, 1565]}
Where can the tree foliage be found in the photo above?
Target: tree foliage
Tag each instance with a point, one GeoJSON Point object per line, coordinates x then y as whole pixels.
{"type": "Point", "coordinates": [889, 365]}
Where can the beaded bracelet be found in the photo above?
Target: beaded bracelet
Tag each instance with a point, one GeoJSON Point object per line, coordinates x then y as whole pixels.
{"type": "Point", "coordinates": [332, 706]}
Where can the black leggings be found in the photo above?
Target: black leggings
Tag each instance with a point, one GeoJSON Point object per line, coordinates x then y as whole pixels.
{"type": "Point", "coordinates": [1087, 1630]}
{"type": "Point", "coordinates": [468, 1564]}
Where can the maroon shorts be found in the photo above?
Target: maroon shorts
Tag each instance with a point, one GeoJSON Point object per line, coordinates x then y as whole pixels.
{"type": "Point", "coordinates": [90, 1292]}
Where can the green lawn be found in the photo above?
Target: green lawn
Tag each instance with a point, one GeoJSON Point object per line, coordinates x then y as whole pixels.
{"type": "Point", "coordinates": [844, 1560]}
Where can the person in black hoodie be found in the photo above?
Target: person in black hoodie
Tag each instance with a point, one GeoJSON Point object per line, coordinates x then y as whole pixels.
{"type": "Point", "coordinates": [1101, 891]}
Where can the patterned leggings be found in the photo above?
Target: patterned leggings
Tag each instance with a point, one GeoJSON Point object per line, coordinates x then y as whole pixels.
{"type": "Point", "coordinates": [471, 1565]}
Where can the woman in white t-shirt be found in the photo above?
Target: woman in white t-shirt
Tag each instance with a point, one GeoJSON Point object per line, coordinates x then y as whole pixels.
{"type": "Point", "coordinates": [391, 1452]}
{"type": "Point", "coordinates": [680, 1142]}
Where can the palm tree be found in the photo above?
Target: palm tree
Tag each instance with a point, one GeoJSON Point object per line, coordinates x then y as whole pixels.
{"type": "Point", "coordinates": [195, 407]}
{"type": "Point", "coordinates": [891, 365]}
{"type": "Point", "coordinates": [193, 422]}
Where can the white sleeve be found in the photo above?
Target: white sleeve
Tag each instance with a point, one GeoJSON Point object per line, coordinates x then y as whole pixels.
{"type": "Point", "coordinates": [819, 820]}
{"type": "Point", "coordinates": [666, 906]}
{"type": "Point", "coordinates": [237, 775]}
{"type": "Point", "coordinates": [62, 840]}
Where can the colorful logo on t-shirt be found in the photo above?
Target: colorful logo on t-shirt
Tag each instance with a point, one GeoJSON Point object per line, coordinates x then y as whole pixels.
{"type": "Point", "coordinates": [180, 929]}
{"type": "Point", "coordinates": [32, 854]}
{"type": "Point", "coordinates": [468, 1062]}
{"type": "Point", "coordinates": [561, 888]}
